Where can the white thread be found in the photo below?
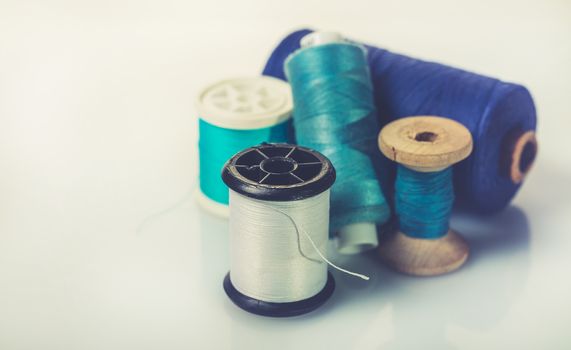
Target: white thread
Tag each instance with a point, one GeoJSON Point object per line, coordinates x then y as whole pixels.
{"type": "Point", "coordinates": [270, 260]}
{"type": "Point", "coordinates": [298, 228]}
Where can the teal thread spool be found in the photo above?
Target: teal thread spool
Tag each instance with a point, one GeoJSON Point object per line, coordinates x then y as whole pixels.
{"type": "Point", "coordinates": [334, 114]}
{"type": "Point", "coordinates": [423, 202]}
{"type": "Point", "coordinates": [425, 147]}
{"type": "Point", "coordinates": [233, 115]}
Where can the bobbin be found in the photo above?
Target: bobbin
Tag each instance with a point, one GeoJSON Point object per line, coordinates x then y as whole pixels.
{"type": "Point", "coordinates": [242, 104]}
{"type": "Point", "coordinates": [278, 172]}
{"type": "Point", "coordinates": [356, 237]}
{"type": "Point", "coordinates": [425, 144]}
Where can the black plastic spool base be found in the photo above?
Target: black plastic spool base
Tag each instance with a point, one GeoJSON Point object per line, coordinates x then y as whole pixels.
{"type": "Point", "coordinates": [265, 308]}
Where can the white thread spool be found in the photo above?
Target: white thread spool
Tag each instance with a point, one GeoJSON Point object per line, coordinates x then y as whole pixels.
{"type": "Point", "coordinates": [356, 237]}
{"type": "Point", "coordinates": [236, 109]}
{"type": "Point", "coordinates": [279, 223]}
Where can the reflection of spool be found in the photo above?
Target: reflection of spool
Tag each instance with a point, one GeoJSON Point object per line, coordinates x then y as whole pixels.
{"type": "Point", "coordinates": [499, 246]}
{"type": "Point", "coordinates": [236, 114]}
{"type": "Point", "coordinates": [425, 148]}
{"type": "Point", "coordinates": [497, 114]}
{"type": "Point", "coordinates": [279, 206]}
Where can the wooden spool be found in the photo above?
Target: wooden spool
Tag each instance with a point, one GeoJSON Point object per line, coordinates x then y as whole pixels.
{"type": "Point", "coordinates": [425, 144]}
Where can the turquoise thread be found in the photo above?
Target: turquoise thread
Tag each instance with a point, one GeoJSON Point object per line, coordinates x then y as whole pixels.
{"type": "Point", "coordinates": [334, 114]}
{"type": "Point", "coordinates": [423, 202]}
{"type": "Point", "coordinates": [217, 145]}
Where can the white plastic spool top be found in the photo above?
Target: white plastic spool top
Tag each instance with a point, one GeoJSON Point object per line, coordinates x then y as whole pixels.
{"type": "Point", "coordinates": [246, 103]}
{"type": "Point", "coordinates": [242, 104]}
{"type": "Point", "coordinates": [358, 237]}
{"type": "Point", "coordinates": [321, 38]}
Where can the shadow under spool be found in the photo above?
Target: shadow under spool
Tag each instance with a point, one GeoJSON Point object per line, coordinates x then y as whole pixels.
{"type": "Point", "coordinates": [501, 117]}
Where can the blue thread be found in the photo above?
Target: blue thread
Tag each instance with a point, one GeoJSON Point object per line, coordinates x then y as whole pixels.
{"type": "Point", "coordinates": [491, 109]}
{"type": "Point", "coordinates": [423, 202]}
{"type": "Point", "coordinates": [217, 145]}
{"type": "Point", "coordinates": [334, 114]}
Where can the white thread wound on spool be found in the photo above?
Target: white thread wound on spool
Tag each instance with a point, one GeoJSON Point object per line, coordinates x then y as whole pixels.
{"type": "Point", "coordinates": [272, 262]}
{"type": "Point", "coordinates": [300, 230]}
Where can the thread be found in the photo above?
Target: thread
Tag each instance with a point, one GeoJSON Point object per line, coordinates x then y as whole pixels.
{"type": "Point", "coordinates": [278, 248]}
{"type": "Point", "coordinates": [334, 114]}
{"type": "Point", "coordinates": [423, 202]}
{"type": "Point", "coordinates": [498, 115]}
{"type": "Point", "coordinates": [279, 229]}
{"type": "Point", "coordinates": [217, 144]}
{"type": "Point", "coordinates": [425, 148]}
{"type": "Point", "coordinates": [269, 261]}
{"type": "Point", "coordinates": [233, 115]}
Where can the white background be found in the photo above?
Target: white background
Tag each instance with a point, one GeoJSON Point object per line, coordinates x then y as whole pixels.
{"type": "Point", "coordinates": [102, 246]}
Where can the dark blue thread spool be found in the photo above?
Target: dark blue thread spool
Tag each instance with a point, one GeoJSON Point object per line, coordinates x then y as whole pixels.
{"type": "Point", "coordinates": [501, 117]}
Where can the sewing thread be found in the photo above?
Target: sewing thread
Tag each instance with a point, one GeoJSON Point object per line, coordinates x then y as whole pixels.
{"type": "Point", "coordinates": [500, 116]}
{"type": "Point", "coordinates": [334, 114]}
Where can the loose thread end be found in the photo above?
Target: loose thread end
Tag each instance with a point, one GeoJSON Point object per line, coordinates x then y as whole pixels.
{"type": "Point", "coordinates": [298, 229]}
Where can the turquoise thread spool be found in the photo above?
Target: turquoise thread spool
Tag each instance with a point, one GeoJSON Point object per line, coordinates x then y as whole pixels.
{"type": "Point", "coordinates": [334, 114]}
{"type": "Point", "coordinates": [423, 202]}
{"type": "Point", "coordinates": [233, 115]}
{"type": "Point", "coordinates": [425, 147]}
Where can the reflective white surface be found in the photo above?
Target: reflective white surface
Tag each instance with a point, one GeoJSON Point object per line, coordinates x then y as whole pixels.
{"type": "Point", "coordinates": [103, 247]}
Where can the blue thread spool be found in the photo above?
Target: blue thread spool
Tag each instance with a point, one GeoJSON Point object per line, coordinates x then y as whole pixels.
{"type": "Point", "coordinates": [500, 115]}
{"type": "Point", "coordinates": [233, 115]}
{"type": "Point", "coordinates": [425, 147]}
{"type": "Point", "coordinates": [334, 114]}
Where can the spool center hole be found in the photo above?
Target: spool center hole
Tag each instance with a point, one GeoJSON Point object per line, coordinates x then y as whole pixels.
{"type": "Point", "coordinates": [527, 157]}
{"type": "Point", "coordinates": [278, 165]}
{"type": "Point", "coordinates": [426, 136]}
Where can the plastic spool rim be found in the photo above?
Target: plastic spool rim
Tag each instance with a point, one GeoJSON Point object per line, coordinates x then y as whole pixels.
{"type": "Point", "coordinates": [245, 103]}
{"type": "Point", "coordinates": [264, 308]}
{"type": "Point", "coordinates": [296, 172]}
{"type": "Point", "coordinates": [357, 238]}
{"type": "Point", "coordinates": [321, 38]}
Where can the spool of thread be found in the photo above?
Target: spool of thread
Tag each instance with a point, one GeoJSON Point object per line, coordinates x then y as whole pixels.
{"type": "Point", "coordinates": [500, 115]}
{"type": "Point", "coordinates": [334, 114]}
{"type": "Point", "coordinates": [279, 207]}
{"type": "Point", "coordinates": [425, 149]}
{"type": "Point", "coordinates": [233, 115]}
